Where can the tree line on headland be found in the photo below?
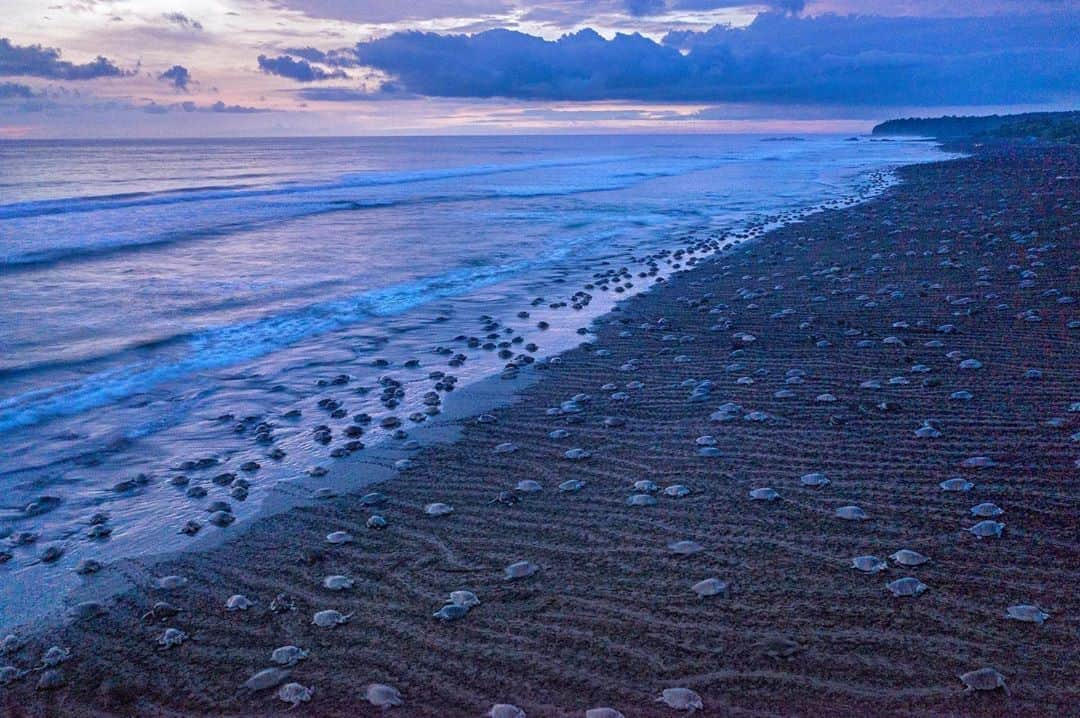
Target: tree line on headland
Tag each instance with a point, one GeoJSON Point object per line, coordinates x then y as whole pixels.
{"type": "Point", "coordinates": [1045, 126]}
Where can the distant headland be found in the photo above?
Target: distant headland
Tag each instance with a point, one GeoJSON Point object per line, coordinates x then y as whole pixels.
{"type": "Point", "coordinates": [1048, 126]}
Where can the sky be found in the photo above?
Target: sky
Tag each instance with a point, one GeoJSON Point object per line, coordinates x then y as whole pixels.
{"type": "Point", "coordinates": [207, 68]}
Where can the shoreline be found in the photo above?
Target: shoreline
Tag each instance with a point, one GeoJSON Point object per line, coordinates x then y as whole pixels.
{"type": "Point", "coordinates": [281, 485]}
{"type": "Point", "coordinates": [609, 618]}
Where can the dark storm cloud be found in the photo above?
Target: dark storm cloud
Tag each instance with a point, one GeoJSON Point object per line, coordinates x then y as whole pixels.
{"type": "Point", "coordinates": [779, 58]}
{"type": "Point", "coordinates": [299, 70]}
{"type": "Point", "coordinates": [38, 61]}
{"type": "Point", "coordinates": [177, 76]}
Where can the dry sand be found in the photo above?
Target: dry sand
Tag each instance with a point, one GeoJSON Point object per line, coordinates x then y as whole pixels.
{"type": "Point", "coordinates": [610, 619]}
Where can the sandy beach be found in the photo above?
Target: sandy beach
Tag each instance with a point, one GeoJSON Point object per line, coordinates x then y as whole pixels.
{"type": "Point", "coordinates": [851, 363]}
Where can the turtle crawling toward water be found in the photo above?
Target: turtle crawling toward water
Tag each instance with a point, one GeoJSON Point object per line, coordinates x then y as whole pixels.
{"type": "Point", "coordinates": [983, 679]}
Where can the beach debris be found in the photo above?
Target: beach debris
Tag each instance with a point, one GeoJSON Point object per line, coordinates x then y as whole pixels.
{"type": "Point", "coordinates": [685, 548]}
{"type": "Point", "coordinates": [681, 699]}
{"type": "Point", "coordinates": [338, 583]}
{"type": "Point", "coordinates": [987, 529]}
{"type": "Point", "coordinates": [171, 583]}
{"type": "Point", "coordinates": [764, 494]}
{"type": "Point", "coordinates": [710, 587]}
{"type": "Point", "coordinates": [521, 569]}
{"type": "Point", "coordinates": [54, 656]}
{"type": "Point", "coordinates": [869, 564]}
{"type": "Point", "coordinates": [907, 586]}
{"type": "Point", "coordinates": [339, 537]}
{"type": "Point", "coordinates": [281, 603]}
{"type": "Point", "coordinates": [814, 479]}
{"type": "Point", "coordinates": [266, 678]}
{"type": "Point", "coordinates": [505, 710]}
{"type": "Point", "coordinates": [956, 484]}
{"type": "Point", "coordinates": [383, 696]}
{"type": "Point", "coordinates": [851, 513]}
{"type": "Point", "coordinates": [603, 712]}
{"type": "Point", "coordinates": [172, 637]}
{"type": "Point", "coordinates": [288, 655]}
{"type": "Point", "coordinates": [1027, 613]}
{"type": "Point", "coordinates": [330, 618]}
{"type": "Point", "coordinates": [983, 679]}
{"type": "Point", "coordinates": [237, 602]}
{"type": "Point", "coordinates": [907, 557]}
{"type": "Point", "coordinates": [295, 694]}
{"type": "Point", "coordinates": [987, 510]}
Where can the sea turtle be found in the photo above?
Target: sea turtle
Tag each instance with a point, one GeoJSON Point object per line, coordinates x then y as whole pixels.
{"type": "Point", "coordinates": [505, 710]}
{"type": "Point", "coordinates": [641, 500]}
{"type": "Point", "coordinates": [237, 602]}
{"type": "Point", "coordinates": [266, 678]}
{"type": "Point", "coordinates": [851, 513]}
{"type": "Point", "coordinates": [330, 618]}
{"type": "Point", "coordinates": [907, 557]}
{"type": "Point", "coordinates": [814, 479]}
{"type": "Point", "coordinates": [172, 637]}
{"type": "Point", "coordinates": [295, 694]}
{"type": "Point", "coordinates": [710, 587]}
{"type": "Point", "coordinates": [868, 564]}
{"type": "Point", "coordinates": [956, 484]}
{"type": "Point", "coordinates": [1027, 613]}
{"type": "Point", "coordinates": [681, 699]}
{"type": "Point", "coordinates": [450, 612]}
{"type": "Point", "coordinates": [338, 583]}
{"type": "Point", "coordinates": [521, 569]}
{"type": "Point", "coordinates": [383, 696]}
{"type": "Point", "coordinates": [467, 599]}
{"type": "Point", "coordinates": [438, 509]}
{"type": "Point", "coordinates": [986, 510]}
{"type": "Point", "coordinates": [764, 494]}
{"type": "Point", "coordinates": [907, 586]}
{"type": "Point", "coordinates": [986, 529]}
{"type": "Point", "coordinates": [983, 679]}
{"type": "Point", "coordinates": [339, 537]}
{"type": "Point", "coordinates": [288, 655]}
{"type": "Point", "coordinates": [676, 491]}
{"type": "Point", "coordinates": [603, 712]}
{"type": "Point", "coordinates": [685, 548]}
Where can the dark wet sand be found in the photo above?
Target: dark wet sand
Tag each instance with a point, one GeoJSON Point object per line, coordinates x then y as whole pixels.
{"type": "Point", "coordinates": [610, 618]}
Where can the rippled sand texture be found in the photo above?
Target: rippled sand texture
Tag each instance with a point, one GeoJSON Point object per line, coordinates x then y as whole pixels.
{"type": "Point", "coordinates": [610, 618]}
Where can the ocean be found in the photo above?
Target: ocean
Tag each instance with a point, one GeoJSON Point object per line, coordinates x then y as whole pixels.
{"type": "Point", "coordinates": [161, 299]}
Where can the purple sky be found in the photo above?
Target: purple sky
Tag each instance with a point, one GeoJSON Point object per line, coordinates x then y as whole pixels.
{"type": "Point", "coordinates": [157, 68]}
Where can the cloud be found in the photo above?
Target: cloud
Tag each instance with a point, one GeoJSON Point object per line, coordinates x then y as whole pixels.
{"type": "Point", "coordinates": [15, 90]}
{"type": "Point", "coordinates": [299, 70]}
{"type": "Point", "coordinates": [779, 58]}
{"type": "Point", "coordinates": [389, 11]}
{"type": "Point", "coordinates": [154, 108]}
{"type": "Point", "coordinates": [221, 107]}
{"type": "Point", "coordinates": [183, 21]}
{"type": "Point", "coordinates": [38, 61]}
{"type": "Point", "coordinates": [345, 94]}
{"type": "Point", "coordinates": [177, 76]}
